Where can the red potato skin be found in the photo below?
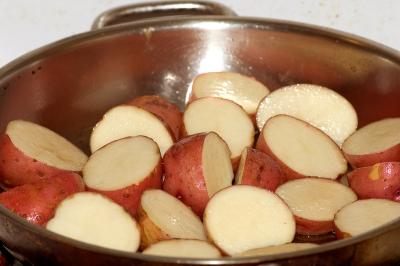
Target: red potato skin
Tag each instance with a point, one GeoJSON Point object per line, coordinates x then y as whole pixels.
{"type": "Point", "coordinates": [167, 112]}
{"type": "Point", "coordinates": [37, 202]}
{"type": "Point", "coordinates": [129, 197]}
{"type": "Point", "coordinates": [288, 172]}
{"type": "Point", "coordinates": [260, 170]}
{"type": "Point", "coordinates": [18, 169]}
{"type": "Point", "coordinates": [310, 227]}
{"type": "Point", "coordinates": [184, 173]}
{"type": "Point", "coordinates": [389, 155]}
{"type": "Point", "coordinates": [382, 181]}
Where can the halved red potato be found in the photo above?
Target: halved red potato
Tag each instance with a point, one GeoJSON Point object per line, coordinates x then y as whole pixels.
{"type": "Point", "coordinates": [30, 153]}
{"type": "Point", "coordinates": [382, 180]}
{"type": "Point", "coordinates": [291, 247]}
{"type": "Point", "coordinates": [319, 106]}
{"type": "Point", "coordinates": [301, 149]}
{"type": "Point", "coordinates": [244, 217]}
{"type": "Point", "coordinates": [167, 112]}
{"type": "Point", "coordinates": [92, 218]}
{"type": "Point", "coordinates": [243, 90]}
{"type": "Point", "coordinates": [123, 169]}
{"type": "Point", "coordinates": [162, 216]}
{"type": "Point", "coordinates": [224, 117]}
{"type": "Point", "coordinates": [258, 169]}
{"type": "Point", "coordinates": [365, 215]}
{"type": "Point", "coordinates": [127, 121]}
{"type": "Point", "coordinates": [183, 248]}
{"type": "Point", "coordinates": [314, 202]}
{"type": "Point", "coordinates": [196, 168]}
{"type": "Point", "coordinates": [374, 143]}
{"type": "Point", "coordinates": [37, 202]}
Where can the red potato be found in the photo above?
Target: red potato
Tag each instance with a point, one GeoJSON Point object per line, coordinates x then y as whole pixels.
{"type": "Point", "coordinates": [382, 180]}
{"type": "Point", "coordinates": [123, 169]}
{"type": "Point", "coordinates": [127, 121]}
{"type": "Point", "coordinates": [30, 153]}
{"type": "Point", "coordinates": [319, 106]}
{"type": "Point", "coordinates": [225, 118]}
{"type": "Point", "coordinates": [183, 248]}
{"type": "Point", "coordinates": [37, 202]}
{"type": "Point", "coordinates": [162, 216]}
{"type": "Point", "coordinates": [243, 90]}
{"type": "Point", "coordinates": [314, 202]}
{"type": "Point", "coordinates": [291, 247]}
{"type": "Point", "coordinates": [374, 143]}
{"type": "Point", "coordinates": [94, 219]}
{"type": "Point", "coordinates": [196, 168]}
{"type": "Point", "coordinates": [365, 215]}
{"type": "Point", "coordinates": [258, 169]}
{"type": "Point", "coordinates": [167, 112]}
{"type": "Point", "coordinates": [244, 217]}
{"type": "Point", "coordinates": [301, 149]}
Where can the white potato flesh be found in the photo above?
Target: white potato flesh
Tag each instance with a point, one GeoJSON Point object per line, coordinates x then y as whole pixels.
{"type": "Point", "coordinates": [240, 170]}
{"type": "Point", "coordinates": [121, 163]}
{"type": "Point", "coordinates": [241, 89]}
{"type": "Point", "coordinates": [45, 146]}
{"type": "Point", "coordinates": [319, 106]}
{"type": "Point", "coordinates": [183, 249]}
{"type": "Point", "coordinates": [125, 121]}
{"type": "Point", "coordinates": [315, 199]}
{"type": "Point", "coordinates": [171, 215]}
{"type": "Point", "coordinates": [303, 148]}
{"type": "Point", "coordinates": [291, 247]}
{"type": "Point", "coordinates": [243, 217]}
{"type": "Point", "coordinates": [94, 219]}
{"type": "Point", "coordinates": [217, 166]}
{"type": "Point", "coordinates": [373, 138]}
{"type": "Point", "coordinates": [222, 116]}
{"type": "Point", "coordinates": [364, 215]}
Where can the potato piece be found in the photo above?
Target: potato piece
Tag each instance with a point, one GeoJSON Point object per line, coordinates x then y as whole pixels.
{"type": "Point", "coordinates": [123, 169]}
{"type": "Point", "coordinates": [291, 247]}
{"type": "Point", "coordinates": [314, 202]}
{"type": "Point", "coordinates": [321, 107]}
{"type": "Point", "coordinates": [37, 202]}
{"type": "Point", "coordinates": [225, 118]}
{"type": "Point", "coordinates": [167, 112]}
{"type": "Point", "coordinates": [382, 180]}
{"type": "Point", "coordinates": [241, 89]}
{"type": "Point", "coordinates": [162, 216]}
{"type": "Point", "coordinates": [301, 149]}
{"type": "Point", "coordinates": [258, 169]}
{"type": "Point", "coordinates": [92, 218]}
{"type": "Point", "coordinates": [196, 168]}
{"type": "Point", "coordinates": [374, 143]}
{"type": "Point", "coordinates": [364, 215]}
{"type": "Point", "coordinates": [127, 121]}
{"type": "Point", "coordinates": [30, 153]}
{"type": "Point", "coordinates": [244, 217]}
{"type": "Point", "coordinates": [183, 249]}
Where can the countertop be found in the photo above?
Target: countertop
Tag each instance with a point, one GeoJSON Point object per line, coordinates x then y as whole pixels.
{"type": "Point", "coordinates": [27, 24]}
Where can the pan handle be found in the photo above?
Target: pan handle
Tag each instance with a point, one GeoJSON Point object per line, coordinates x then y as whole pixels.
{"type": "Point", "coordinates": [143, 11]}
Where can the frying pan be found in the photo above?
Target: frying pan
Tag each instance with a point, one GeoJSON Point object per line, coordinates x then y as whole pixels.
{"type": "Point", "coordinates": [69, 84]}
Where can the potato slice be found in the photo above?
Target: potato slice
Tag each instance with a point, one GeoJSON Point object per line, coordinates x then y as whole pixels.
{"type": "Point", "coordinates": [301, 149]}
{"type": "Point", "coordinates": [314, 202]}
{"type": "Point", "coordinates": [291, 247]}
{"type": "Point", "coordinates": [183, 249]}
{"type": "Point", "coordinates": [374, 143]}
{"type": "Point", "coordinates": [241, 89]}
{"type": "Point", "coordinates": [162, 216]}
{"type": "Point", "coordinates": [123, 169]}
{"type": "Point", "coordinates": [319, 106]}
{"type": "Point", "coordinates": [196, 168]}
{"type": "Point", "coordinates": [94, 219]}
{"type": "Point", "coordinates": [244, 217]}
{"type": "Point", "coordinates": [125, 121]}
{"type": "Point", "coordinates": [364, 215]}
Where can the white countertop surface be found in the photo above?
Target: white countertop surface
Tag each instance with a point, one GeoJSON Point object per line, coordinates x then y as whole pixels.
{"type": "Point", "coordinates": [29, 24]}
